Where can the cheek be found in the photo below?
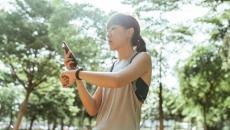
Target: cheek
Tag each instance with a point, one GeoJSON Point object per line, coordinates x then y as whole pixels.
{"type": "Point", "coordinates": [119, 38]}
{"type": "Point", "coordinates": [118, 41]}
{"type": "Point", "coordinates": [123, 39]}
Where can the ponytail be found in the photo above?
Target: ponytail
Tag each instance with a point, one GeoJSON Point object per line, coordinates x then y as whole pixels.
{"type": "Point", "coordinates": [141, 47]}
{"type": "Point", "coordinates": [139, 42]}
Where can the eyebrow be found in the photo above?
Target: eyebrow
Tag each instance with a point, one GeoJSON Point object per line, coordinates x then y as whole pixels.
{"type": "Point", "coordinates": [111, 26]}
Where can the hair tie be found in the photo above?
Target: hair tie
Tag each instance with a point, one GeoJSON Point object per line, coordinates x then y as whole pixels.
{"type": "Point", "coordinates": [139, 40]}
{"type": "Point", "coordinates": [138, 43]}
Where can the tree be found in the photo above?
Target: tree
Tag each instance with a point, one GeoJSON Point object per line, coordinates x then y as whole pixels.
{"type": "Point", "coordinates": [201, 81]}
{"type": "Point", "coordinates": [52, 104]}
{"type": "Point", "coordinates": [218, 20]}
{"type": "Point", "coordinates": [30, 42]}
{"type": "Point", "coordinates": [8, 102]}
{"type": "Point", "coordinates": [218, 17]}
{"type": "Point", "coordinates": [25, 48]}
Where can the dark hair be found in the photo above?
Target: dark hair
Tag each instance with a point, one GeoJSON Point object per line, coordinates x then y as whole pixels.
{"type": "Point", "coordinates": [128, 21]}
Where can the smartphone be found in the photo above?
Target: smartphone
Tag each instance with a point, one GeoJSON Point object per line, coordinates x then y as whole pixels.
{"type": "Point", "coordinates": [67, 49]}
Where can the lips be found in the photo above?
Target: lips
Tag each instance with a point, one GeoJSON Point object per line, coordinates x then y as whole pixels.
{"type": "Point", "coordinates": [110, 41]}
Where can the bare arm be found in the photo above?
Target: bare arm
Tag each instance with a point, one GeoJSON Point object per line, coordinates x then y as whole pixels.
{"type": "Point", "coordinates": [139, 66]}
{"type": "Point", "coordinates": [91, 103]}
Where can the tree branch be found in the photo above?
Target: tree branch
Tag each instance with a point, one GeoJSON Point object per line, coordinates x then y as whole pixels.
{"type": "Point", "coordinates": [39, 82]}
{"type": "Point", "coordinates": [14, 75]}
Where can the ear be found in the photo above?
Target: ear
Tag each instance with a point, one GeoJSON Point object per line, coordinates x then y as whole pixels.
{"type": "Point", "coordinates": [130, 32]}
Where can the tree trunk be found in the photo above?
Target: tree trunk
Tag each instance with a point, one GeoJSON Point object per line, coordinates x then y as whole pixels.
{"type": "Point", "coordinates": [190, 128]}
{"type": "Point", "coordinates": [204, 117]}
{"type": "Point", "coordinates": [48, 124]}
{"type": "Point", "coordinates": [11, 119]}
{"type": "Point", "coordinates": [54, 125]}
{"type": "Point", "coordinates": [82, 118]}
{"type": "Point", "coordinates": [90, 123]}
{"type": "Point", "coordinates": [142, 123]}
{"type": "Point", "coordinates": [31, 123]}
{"type": "Point", "coordinates": [22, 111]}
{"type": "Point", "coordinates": [62, 123]}
{"type": "Point", "coordinates": [70, 121]}
{"type": "Point", "coordinates": [161, 109]}
{"type": "Point", "coordinates": [161, 114]}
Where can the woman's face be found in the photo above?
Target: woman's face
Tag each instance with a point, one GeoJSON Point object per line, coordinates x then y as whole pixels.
{"type": "Point", "coordinates": [118, 36]}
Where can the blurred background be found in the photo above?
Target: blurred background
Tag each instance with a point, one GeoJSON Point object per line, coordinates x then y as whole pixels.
{"type": "Point", "coordinates": [189, 41]}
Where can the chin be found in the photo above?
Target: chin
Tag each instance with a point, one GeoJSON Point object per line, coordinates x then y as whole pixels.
{"type": "Point", "coordinates": [112, 48]}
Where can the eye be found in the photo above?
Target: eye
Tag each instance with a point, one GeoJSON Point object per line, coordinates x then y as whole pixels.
{"type": "Point", "coordinates": [113, 28]}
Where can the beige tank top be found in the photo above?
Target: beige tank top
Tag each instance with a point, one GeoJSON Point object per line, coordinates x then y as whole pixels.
{"type": "Point", "coordinates": [120, 108]}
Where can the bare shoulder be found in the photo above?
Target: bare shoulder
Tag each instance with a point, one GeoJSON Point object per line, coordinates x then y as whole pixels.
{"type": "Point", "coordinates": [144, 57]}
{"type": "Point", "coordinates": [145, 63]}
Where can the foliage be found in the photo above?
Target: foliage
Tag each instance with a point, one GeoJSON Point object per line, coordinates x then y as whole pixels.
{"type": "Point", "coordinates": [53, 104]}
{"type": "Point", "coordinates": [7, 102]}
{"type": "Point", "coordinates": [203, 83]}
{"type": "Point", "coordinates": [31, 52]}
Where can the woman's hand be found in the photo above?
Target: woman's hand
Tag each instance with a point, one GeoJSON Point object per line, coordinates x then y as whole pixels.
{"type": "Point", "coordinates": [68, 78]}
{"type": "Point", "coordinates": [68, 61]}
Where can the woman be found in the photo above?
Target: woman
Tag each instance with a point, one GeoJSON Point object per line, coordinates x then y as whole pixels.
{"type": "Point", "coordinates": [120, 93]}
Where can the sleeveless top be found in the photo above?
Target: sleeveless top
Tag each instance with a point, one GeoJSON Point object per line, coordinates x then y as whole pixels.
{"type": "Point", "coordinates": [120, 108]}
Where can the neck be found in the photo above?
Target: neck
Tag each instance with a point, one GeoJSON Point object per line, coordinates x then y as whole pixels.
{"type": "Point", "coordinates": [125, 53]}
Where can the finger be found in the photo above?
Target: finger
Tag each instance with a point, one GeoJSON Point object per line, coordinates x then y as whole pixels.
{"type": "Point", "coordinates": [70, 63]}
{"type": "Point", "coordinates": [68, 67]}
{"type": "Point", "coordinates": [68, 60]}
{"type": "Point", "coordinates": [65, 81]}
{"type": "Point", "coordinates": [67, 54]}
{"type": "Point", "coordinates": [62, 82]}
{"type": "Point", "coordinates": [65, 85]}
